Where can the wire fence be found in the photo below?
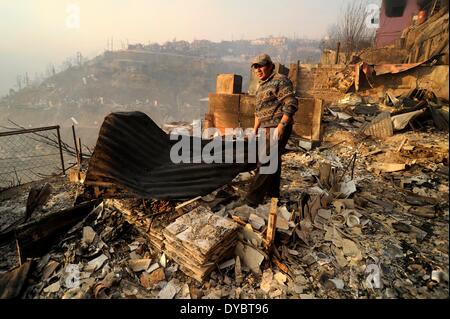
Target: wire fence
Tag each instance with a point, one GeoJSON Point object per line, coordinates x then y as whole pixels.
{"type": "Point", "coordinates": [30, 155]}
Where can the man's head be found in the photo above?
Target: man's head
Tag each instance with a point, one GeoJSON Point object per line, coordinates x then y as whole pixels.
{"type": "Point", "coordinates": [263, 66]}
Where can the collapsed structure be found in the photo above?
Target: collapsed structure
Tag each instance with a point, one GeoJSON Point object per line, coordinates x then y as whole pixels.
{"type": "Point", "coordinates": [365, 189]}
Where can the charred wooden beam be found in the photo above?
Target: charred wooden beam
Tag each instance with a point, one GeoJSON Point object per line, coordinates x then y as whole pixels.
{"type": "Point", "coordinates": [36, 238]}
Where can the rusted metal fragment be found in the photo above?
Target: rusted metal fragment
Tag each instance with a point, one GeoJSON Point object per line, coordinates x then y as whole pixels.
{"type": "Point", "coordinates": [381, 69]}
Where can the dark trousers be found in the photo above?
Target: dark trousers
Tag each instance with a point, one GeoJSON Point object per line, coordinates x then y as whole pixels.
{"type": "Point", "coordinates": [268, 185]}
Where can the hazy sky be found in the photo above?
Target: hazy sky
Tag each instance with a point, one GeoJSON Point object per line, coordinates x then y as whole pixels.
{"type": "Point", "coordinates": [35, 33]}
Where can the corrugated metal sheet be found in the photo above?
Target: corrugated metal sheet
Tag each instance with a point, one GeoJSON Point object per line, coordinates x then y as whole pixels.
{"type": "Point", "coordinates": [381, 69]}
{"type": "Point", "coordinates": [380, 127]}
{"type": "Point", "coordinates": [132, 152]}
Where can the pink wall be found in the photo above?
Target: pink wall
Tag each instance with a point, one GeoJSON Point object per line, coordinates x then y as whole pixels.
{"type": "Point", "coordinates": [391, 29]}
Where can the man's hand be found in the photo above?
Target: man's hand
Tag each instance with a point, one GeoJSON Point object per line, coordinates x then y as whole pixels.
{"type": "Point", "coordinates": [279, 131]}
{"type": "Point", "coordinates": [278, 134]}
{"type": "Point", "coordinates": [282, 126]}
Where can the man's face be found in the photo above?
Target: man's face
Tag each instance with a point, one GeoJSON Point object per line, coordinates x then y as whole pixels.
{"type": "Point", "coordinates": [263, 71]}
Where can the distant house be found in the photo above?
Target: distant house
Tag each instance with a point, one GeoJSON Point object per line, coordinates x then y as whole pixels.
{"type": "Point", "coordinates": [258, 42]}
{"type": "Point", "coordinates": [272, 41]}
{"type": "Point", "coordinates": [395, 16]}
{"type": "Point", "coordinates": [137, 46]}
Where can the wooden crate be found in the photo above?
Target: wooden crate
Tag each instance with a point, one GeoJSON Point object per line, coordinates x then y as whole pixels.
{"type": "Point", "coordinates": [229, 84]}
{"type": "Point", "coordinates": [225, 110]}
{"type": "Point", "coordinates": [308, 119]}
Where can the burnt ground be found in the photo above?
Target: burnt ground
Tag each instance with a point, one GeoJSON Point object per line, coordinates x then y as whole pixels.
{"type": "Point", "coordinates": [398, 233]}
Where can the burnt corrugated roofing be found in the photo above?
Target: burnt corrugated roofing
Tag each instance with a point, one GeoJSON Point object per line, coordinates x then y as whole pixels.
{"type": "Point", "coordinates": [132, 152]}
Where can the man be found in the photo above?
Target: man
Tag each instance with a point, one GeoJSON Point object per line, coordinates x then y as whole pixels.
{"type": "Point", "coordinates": [276, 105]}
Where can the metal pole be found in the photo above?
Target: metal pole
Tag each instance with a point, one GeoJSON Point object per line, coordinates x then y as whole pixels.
{"type": "Point", "coordinates": [60, 150]}
{"type": "Point", "coordinates": [34, 130]}
{"type": "Point", "coordinates": [76, 144]}
{"type": "Point", "coordinates": [81, 150]}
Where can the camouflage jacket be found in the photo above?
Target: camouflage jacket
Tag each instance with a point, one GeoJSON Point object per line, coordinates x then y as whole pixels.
{"type": "Point", "coordinates": [275, 97]}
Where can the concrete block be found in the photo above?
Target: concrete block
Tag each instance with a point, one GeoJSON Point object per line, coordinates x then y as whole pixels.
{"type": "Point", "coordinates": [229, 84]}
{"type": "Point", "coordinates": [225, 108]}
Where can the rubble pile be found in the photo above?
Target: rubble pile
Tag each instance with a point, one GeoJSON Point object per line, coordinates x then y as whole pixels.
{"type": "Point", "coordinates": [15, 209]}
{"type": "Point", "coordinates": [365, 215]}
{"type": "Point", "coordinates": [92, 257]}
{"type": "Point", "coordinates": [414, 104]}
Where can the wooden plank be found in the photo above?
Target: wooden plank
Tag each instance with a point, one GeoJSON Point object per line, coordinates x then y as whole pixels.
{"type": "Point", "coordinates": [151, 227]}
{"type": "Point", "coordinates": [194, 251]}
{"type": "Point", "coordinates": [389, 167]}
{"type": "Point", "coordinates": [293, 74]}
{"type": "Point", "coordinates": [179, 207]}
{"type": "Point", "coordinates": [399, 149]}
{"type": "Point", "coordinates": [198, 259]}
{"type": "Point", "coordinates": [272, 224]}
{"type": "Point", "coordinates": [428, 44]}
{"type": "Point", "coordinates": [304, 117]}
{"type": "Point", "coordinates": [198, 273]}
{"type": "Point", "coordinates": [36, 238]}
{"type": "Point", "coordinates": [317, 120]}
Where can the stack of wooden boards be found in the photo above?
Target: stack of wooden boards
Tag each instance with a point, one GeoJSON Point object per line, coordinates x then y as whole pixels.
{"type": "Point", "coordinates": [151, 227]}
{"type": "Point", "coordinates": [198, 241]}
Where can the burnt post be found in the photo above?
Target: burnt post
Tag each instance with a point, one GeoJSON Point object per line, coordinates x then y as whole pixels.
{"type": "Point", "coordinates": [76, 144]}
{"type": "Point", "coordinates": [60, 150]}
{"type": "Point", "coordinates": [272, 224]}
{"type": "Point", "coordinates": [338, 51]}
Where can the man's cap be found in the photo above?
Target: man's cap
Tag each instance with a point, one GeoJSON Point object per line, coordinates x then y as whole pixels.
{"type": "Point", "coordinates": [262, 59]}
